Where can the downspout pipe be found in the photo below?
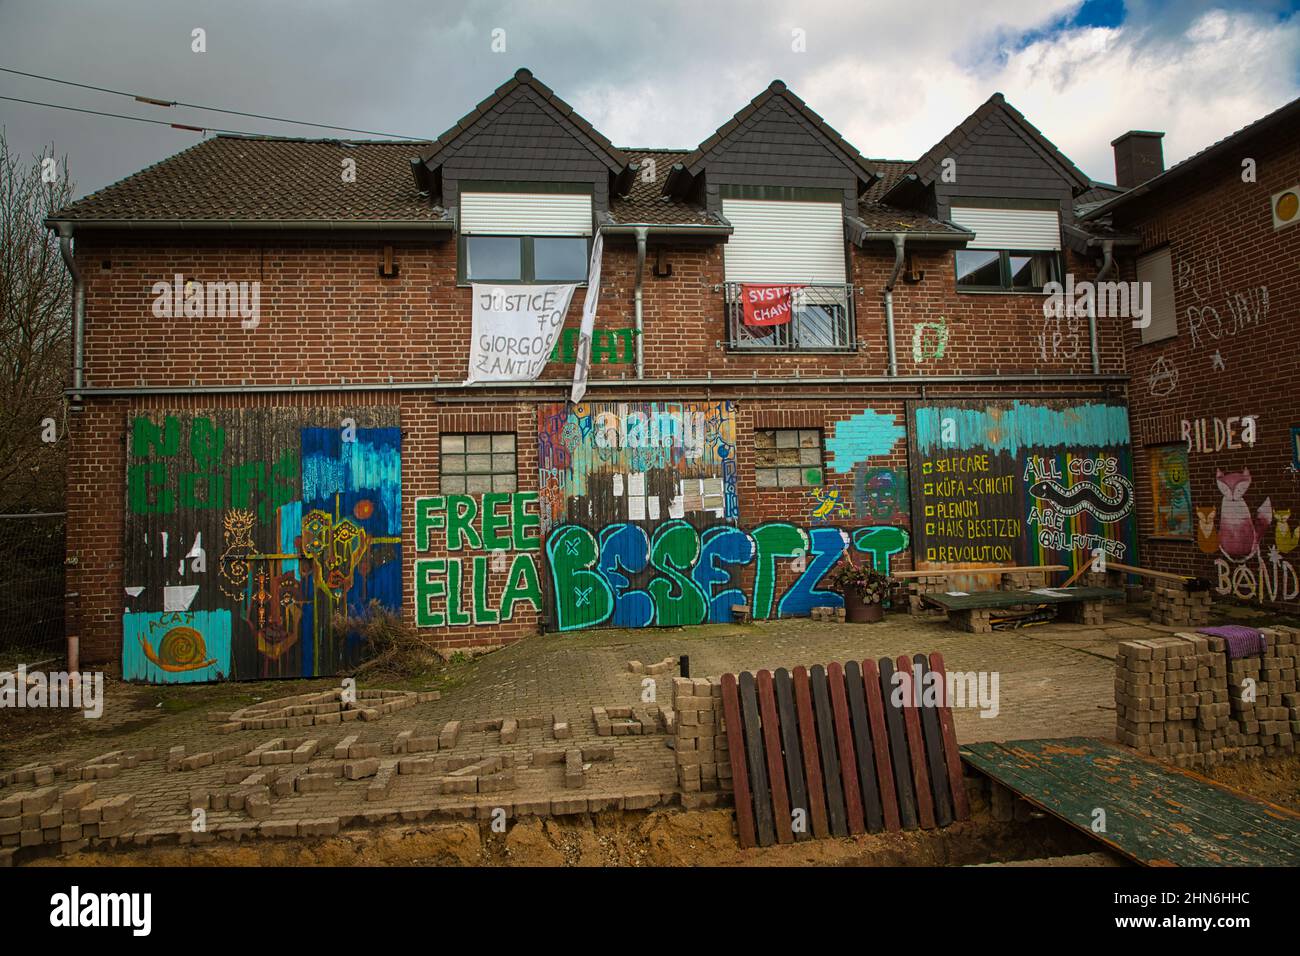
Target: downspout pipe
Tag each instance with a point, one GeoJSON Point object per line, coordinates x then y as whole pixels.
{"type": "Point", "coordinates": [899, 241]}
{"type": "Point", "coordinates": [1107, 266]}
{"type": "Point", "coordinates": [78, 309]}
{"type": "Point", "coordinates": [642, 235]}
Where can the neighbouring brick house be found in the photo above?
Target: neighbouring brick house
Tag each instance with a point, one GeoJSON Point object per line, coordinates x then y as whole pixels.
{"type": "Point", "coordinates": [320, 449]}
{"type": "Point", "coordinates": [1216, 418]}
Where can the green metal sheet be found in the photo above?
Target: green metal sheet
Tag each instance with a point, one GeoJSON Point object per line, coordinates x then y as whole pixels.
{"type": "Point", "coordinates": [1155, 814]}
{"type": "Point", "coordinates": [983, 599]}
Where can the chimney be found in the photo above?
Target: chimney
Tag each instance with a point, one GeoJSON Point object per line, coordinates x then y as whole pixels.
{"type": "Point", "coordinates": [1138, 157]}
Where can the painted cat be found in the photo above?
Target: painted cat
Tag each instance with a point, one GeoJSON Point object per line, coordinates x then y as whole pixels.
{"type": "Point", "coordinates": [1239, 532]}
{"type": "Point", "coordinates": [1206, 535]}
{"type": "Point", "coordinates": [1283, 536]}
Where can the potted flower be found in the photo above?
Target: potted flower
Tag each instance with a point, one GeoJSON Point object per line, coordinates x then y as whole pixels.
{"type": "Point", "coordinates": [864, 589]}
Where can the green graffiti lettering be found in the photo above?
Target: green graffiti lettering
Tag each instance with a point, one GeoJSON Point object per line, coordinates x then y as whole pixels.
{"type": "Point", "coordinates": [428, 517]}
{"type": "Point", "coordinates": [461, 512]}
{"type": "Point", "coordinates": [582, 596]}
{"type": "Point", "coordinates": [148, 440]}
{"type": "Point", "coordinates": [138, 481]}
{"type": "Point", "coordinates": [527, 589]}
{"type": "Point", "coordinates": [207, 442]}
{"type": "Point", "coordinates": [773, 541]}
{"type": "Point", "coordinates": [678, 599]}
{"type": "Point", "coordinates": [429, 587]}
{"type": "Point", "coordinates": [493, 523]}
{"type": "Point", "coordinates": [456, 617]}
{"type": "Point", "coordinates": [483, 614]}
{"type": "Point", "coordinates": [882, 543]}
{"type": "Point", "coordinates": [602, 347]}
{"type": "Point", "coordinates": [214, 484]}
{"type": "Point", "coordinates": [523, 519]}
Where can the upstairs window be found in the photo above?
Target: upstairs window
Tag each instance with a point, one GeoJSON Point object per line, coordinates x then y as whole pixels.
{"type": "Point", "coordinates": [789, 242]}
{"type": "Point", "coordinates": [516, 237]}
{"type": "Point", "coordinates": [1158, 268]}
{"type": "Point", "coordinates": [1014, 250]}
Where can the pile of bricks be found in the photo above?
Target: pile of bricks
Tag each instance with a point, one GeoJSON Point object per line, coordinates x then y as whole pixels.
{"type": "Point", "coordinates": [629, 721]}
{"type": "Point", "coordinates": [1181, 697]}
{"type": "Point", "coordinates": [1175, 606]}
{"type": "Point", "coordinates": [327, 707]}
{"type": "Point", "coordinates": [68, 818]}
{"type": "Point", "coordinates": [1023, 580]}
{"type": "Point", "coordinates": [663, 667]}
{"type": "Point", "coordinates": [925, 584]}
{"type": "Point", "coordinates": [831, 615]}
{"type": "Point", "coordinates": [700, 741]}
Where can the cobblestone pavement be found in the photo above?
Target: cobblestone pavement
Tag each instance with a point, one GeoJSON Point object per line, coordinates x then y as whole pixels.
{"type": "Point", "coordinates": [1055, 680]}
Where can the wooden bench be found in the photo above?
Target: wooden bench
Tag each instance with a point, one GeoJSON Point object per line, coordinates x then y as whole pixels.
{"type": "Point", "coordinates": [976, 611]}
{"type": "Point", "coordinates": [1176, 599]}
{"type": "Point", "coordinates": [1022, 577]}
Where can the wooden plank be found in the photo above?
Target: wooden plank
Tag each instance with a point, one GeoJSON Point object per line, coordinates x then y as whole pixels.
{"type": "Point", "coordinates": [938, 769]}
{"type": "Point", "coordinates": [828, 750]}
{"type": "Point", "coordinates": [987, 599]}
{"type": "Point", "coordinates": [844, 743]}
{"type": "Point", "coordinates": [808, 751]}
{"type": "Point", "coordinates": [1156, 814]}
{"type": "Point", "coordinates": [775, 761]}
{"type": "Point", "coordinates": [916, 750]}
{"type": "Point", "coordinates": [880, 745]}
{"type": "Point", "coordinates": [902, 781]}
{"type": "Point", "coordinates": [787, 716]}
{"type": "Point", "coordinates": [739, 768]}
{"type": "Point", "coordinates": [951, 756]}
{"type": "Point", "coordinates": [946, 572]}
{"type": "Point", "coordinates": [1147, 573]}
{"type": "Point", "coordinates": [757, 765]}
{"type": "Point", "coordinates": [871, 810]}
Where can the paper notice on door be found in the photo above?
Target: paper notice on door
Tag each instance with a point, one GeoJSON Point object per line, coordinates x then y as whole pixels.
{"type": "Point", "coordinates": [653, 505]}
{"type": "Point", "coordinates": [636, 484]}
{"type": "Point", "coordinates": [635, 509]}
{"type": "Point", "coordinates": [618, 484]}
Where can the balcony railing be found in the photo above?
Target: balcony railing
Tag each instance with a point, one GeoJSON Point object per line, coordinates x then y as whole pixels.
{"type": "Point", "coordinates": [822, 322]}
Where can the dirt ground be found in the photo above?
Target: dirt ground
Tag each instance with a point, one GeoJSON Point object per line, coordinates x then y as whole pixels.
{"type": "Point", "coordinates": [656, 838]}
{"type": "Point", "coordinates": [1275, 779]}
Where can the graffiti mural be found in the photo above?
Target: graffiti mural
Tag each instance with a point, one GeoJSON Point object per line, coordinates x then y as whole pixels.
{"type": "Point", "coordinates": [637, 461]}
{"type": "Point", "coordinates": [1171, 493]}
{"type": "Point", "coordinates": [487, 548]}
{"type": "Point", "coordinates": [880, 494]}
{"type": "Point", "coordinates": [250, 536]}
{"type": "Point", "coordinates": [1250, 564]}
{"type": "Point", "coordinates": [679, 574]}
{"type": "Point", "coordinates": [1021, 483]}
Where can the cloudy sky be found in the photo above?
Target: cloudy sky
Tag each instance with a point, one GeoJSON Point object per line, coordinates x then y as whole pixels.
{"type": "Point", "coordinates": [893, 77]}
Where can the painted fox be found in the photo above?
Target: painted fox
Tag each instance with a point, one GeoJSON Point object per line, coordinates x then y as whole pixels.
{"type": "Point", "coordinates": [1239, 533]}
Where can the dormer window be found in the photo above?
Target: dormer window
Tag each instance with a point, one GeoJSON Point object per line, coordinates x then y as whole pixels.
{"type": "Point", "coordinates": [1014, 250]}
{"type": "Point", "coordinates": [519, 237]}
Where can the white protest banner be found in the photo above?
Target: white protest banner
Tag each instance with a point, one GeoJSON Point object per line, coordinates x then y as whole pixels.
{"type": "Point", "coordinates": [582, 364]}
{"type": "Point", "coordinates": [515, 327]}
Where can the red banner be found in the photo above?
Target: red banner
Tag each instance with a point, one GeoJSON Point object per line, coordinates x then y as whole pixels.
{"type": "Point", "coordinates": [767, 304]}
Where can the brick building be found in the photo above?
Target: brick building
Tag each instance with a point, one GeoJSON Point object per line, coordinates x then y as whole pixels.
{"type": "Point", "coordinates": [1216, 421]}
{"type": "Point", "coordinates": [304, 444]}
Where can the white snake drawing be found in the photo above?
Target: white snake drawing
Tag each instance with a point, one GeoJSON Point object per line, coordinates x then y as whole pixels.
{"type": "Point", "coordinates": [1086, 496]}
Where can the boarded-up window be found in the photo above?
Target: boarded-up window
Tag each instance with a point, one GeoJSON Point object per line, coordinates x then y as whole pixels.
{"type": "Point", "coordinates": [1171, 492]}
{"type": "Point", "coordinates": [478, 464]}
{"type": "Point", "coordinates": [1158, 269]}
{"type": "Point", "coordinates": [788, 457]}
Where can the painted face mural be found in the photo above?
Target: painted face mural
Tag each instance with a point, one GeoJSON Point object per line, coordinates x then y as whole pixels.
{"type": "Point", "coordinates": [303, 511]}
{"type": "Point", "coordinates": [881, 493]}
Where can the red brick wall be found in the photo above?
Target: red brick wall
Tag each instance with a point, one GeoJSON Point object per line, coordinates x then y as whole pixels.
{"type": "Point", "coordinates": [1223, 245]}
{"type": "Point", "coordinates": [328, 318]}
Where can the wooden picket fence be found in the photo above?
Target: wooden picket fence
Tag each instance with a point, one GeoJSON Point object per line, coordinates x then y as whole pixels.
{"type": "Point", "coordinates": [837, 743]}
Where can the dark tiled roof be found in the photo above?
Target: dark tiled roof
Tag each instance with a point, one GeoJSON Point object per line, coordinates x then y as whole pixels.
{"type": "Point", "coordinates": [259, 179]}
{"type": "Point", "coordinates": [1284, 117]}
{"type": "Point", "coordinates": [524, 78]}
{"type": "Point", "coordinates": [891, 171]}
{"type": "Point", "coordinates": [646, 203]}
{"type": "Point", "coordinates": [878, 217]}
{"type": "Point", "coordinates": [778, 88]}
{"type": "Point", "coordinates": [926, 168]}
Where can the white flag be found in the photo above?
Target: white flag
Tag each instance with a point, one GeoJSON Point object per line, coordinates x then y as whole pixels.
{"type": "Point", "coordinates": [582, 364]}
{"type": "Point", "coordinates": [515, 327]}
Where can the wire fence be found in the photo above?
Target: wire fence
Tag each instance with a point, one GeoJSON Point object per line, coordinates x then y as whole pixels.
{"type": "Point", "coordinates": [31, 587]}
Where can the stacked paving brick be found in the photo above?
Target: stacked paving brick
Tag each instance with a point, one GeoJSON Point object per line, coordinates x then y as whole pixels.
{"type": "Point", "coordinates": [1175, 606]}
{"type": "Point", "coordinates": [700, 741]}
{"type": "Point", "coordinates": [925, 584]}
{"type": "Point", "coordinates": [831, 615]}
{"type": "Point", "coordinates": [1182, 697]}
